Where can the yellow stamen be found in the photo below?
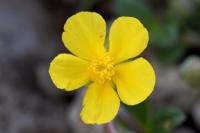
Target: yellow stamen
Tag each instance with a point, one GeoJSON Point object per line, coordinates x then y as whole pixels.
{"type": "Point", "coordinates": [101, 69]}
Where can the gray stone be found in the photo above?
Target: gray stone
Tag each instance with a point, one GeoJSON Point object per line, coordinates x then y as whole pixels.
{"type": "Point", "coordinates": [44, 81]}
{"type": "Point", "coordinates": [190, 71]}
{"type": "Point", "coordinates": [22, 110]}
{"type": "Point", "coordinates": [171, 89]}
{"type": "Point", "coordinates": [25, 41]}
{"type": "Point", "coordinates": [196, 113]}
{"type": "Point", "coordinates": [24, 30]}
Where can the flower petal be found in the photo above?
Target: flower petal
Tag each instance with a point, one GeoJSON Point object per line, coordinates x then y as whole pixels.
{"type": "Point", "coordinates": [128, 38]}
{"type": "Point", "coordinates": [100, 104]}
{"type": "Point", "coordinates": [135, 81]}
{"type": "Point", "coordinates": [69, 72]}
{"type": "Point", "coordinates": [84, 34]}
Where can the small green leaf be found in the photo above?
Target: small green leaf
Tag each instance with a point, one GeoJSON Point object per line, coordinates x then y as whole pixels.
{"type": "Point", "coordinates": [168, 118]}
{"type": "Point", "coordinates": [165, 35]}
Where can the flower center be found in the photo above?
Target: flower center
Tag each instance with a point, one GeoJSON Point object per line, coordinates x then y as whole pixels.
{"type": "Point", "coordinates": [101, 69]}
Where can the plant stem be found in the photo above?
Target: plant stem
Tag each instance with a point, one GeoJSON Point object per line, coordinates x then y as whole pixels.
{"type": "Point", "coordinates": [109, 128]}
{"type": "Point", "coordinates": [129, 121]}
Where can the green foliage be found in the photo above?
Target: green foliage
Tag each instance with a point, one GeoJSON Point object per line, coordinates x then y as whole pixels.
{"type": "Point", "coordinates": [163, 35]}
{"type": "Point", "coordinates": [169, 54]}
{"type": "Point", "coordinates": [135, 8]}
{"type": "Point", "coordinates": [166, 119]}
{"type": "Point", "coordinates": [194, 19]}
{"type": "Point", "coordinates": [162, 120]}
{"type": "Point", "coordinates": [141, 113]}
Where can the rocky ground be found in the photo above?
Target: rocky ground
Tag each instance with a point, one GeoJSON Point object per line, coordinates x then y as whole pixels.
{"type": "Point", "coordinates": [30, 37]}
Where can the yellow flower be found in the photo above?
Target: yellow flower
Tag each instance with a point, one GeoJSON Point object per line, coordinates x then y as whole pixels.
{"type": "Point", "coordinates": [109, 78]}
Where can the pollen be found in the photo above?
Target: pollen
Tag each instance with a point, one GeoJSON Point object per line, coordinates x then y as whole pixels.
{"type": "Point", "coordinates": [101, 69]}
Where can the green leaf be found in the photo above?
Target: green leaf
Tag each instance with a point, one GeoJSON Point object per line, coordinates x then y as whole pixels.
{"type": "Point", "coordinates": [168, 47]}
{"type": "Point", "coordinates": [135, 8]}
{"type": "Point", "coordinates": [161, 35]}
{"type": "Point", "coordinates": [165, 35]}
{"type": "Point", "coordinates": [168, 118]}
{"type": "Point", "coordinates": [141, 112]}
{"type": "Point", "coordinates": [169, 54]}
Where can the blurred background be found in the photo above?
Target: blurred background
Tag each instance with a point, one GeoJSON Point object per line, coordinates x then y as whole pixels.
{"type": "Point", "coordinates": [30, 37]}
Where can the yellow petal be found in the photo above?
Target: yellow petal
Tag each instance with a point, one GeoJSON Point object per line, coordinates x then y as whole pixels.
{"type": "Point", "coordinates": [100, 104]}
{"type": "Point", "coordinates": [69, 72]}
{"type": "Point", "coordinates": [128, 38]}
{"type": "Point", "coordinates": [84, 35]}
{"type": "Point", "coordinates": [135, 81]}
